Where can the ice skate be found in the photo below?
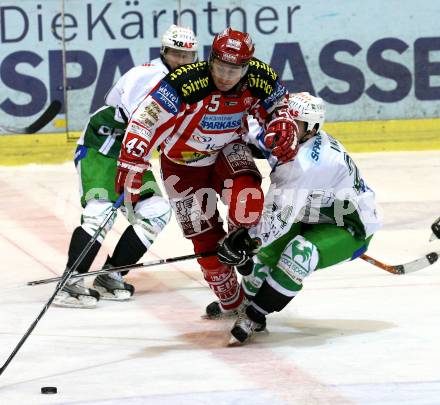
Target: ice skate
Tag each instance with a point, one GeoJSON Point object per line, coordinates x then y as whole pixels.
{"type": "Point", "coordinates": [248, 322]}
{"type": "Point", "coordinates": [75, 295]}
{"type": "Point", "coordinates": [111, 286]}
{"type": "Point", "coordinates": [215, 311]}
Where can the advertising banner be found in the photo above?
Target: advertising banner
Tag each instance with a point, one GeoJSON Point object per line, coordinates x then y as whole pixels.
{"type": "Point", "coordinates": [369, 60]}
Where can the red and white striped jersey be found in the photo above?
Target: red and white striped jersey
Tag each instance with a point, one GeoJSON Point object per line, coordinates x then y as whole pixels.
{"type": "Point", "coordinates": [192, 121]}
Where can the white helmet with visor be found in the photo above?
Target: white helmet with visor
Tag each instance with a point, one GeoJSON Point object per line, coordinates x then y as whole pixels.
{"type": "Point", "coordinates": [180, 38]}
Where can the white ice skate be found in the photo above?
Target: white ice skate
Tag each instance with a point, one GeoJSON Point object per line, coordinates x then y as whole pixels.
{"type": "Point", "coordinates": [248, 322]}
{"type": "Point", "coordinates": [111, 286]}
{"type": "Point", "coordinates": [75, 295]}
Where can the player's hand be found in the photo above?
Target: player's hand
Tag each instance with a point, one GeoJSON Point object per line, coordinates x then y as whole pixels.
{"type": "Point", "coordinates": [282, 137]}
{"type": "Point", "coordinates": [129, 180]}
{"type": "Point", "coordinates": [237, 249]}
{"type": "Point", "coordinates": [287, 154]}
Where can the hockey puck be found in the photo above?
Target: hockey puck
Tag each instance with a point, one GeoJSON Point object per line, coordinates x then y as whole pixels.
{"type": "Point", "coordinates": [49, 390]}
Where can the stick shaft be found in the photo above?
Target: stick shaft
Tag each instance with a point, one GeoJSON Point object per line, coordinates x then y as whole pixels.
{"type": "Point", "coordinates": [63, 280]}
{"type": "Point", "coordinates": [383, 266]}
{"type": "Point", "coordinates": [127, 267]}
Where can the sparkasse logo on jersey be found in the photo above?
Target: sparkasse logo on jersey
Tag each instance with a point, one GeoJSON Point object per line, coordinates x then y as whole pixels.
{"type": "Point", "coordinates": [221, 122]}
{"type": "Point", "coordinates": [316, 148]}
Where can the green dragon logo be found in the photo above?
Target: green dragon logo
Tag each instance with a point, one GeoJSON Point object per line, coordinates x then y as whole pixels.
{"type": "Point", "coordinates": [298, 249]}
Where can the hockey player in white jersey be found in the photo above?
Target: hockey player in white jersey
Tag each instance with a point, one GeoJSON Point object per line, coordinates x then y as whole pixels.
{"type": "Point", "coordinates": [319, 212]}
{"type": "Point", "coordinates": [95, 160]}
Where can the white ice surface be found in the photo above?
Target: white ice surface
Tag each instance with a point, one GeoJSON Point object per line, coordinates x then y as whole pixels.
{"type": "Point", "coordinates": [355, 334]}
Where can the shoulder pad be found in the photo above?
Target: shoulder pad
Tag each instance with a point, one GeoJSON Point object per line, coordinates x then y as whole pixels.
{"type": "Point", "coordinates": [144, 73]}
{"type": "Point", "coordinates": [192, 82]}
{"type": "Point", "coordinates": [262, 79]}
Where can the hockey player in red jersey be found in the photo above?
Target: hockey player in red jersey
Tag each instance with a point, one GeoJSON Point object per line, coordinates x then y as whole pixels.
{"type": "Point", "coordinates": [197, 114]}
{"type": "Point", "coordinates": [96, 162]}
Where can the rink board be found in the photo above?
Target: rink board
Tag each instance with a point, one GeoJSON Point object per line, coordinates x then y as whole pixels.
{"type": "Point", "coordinates": [357, 136]}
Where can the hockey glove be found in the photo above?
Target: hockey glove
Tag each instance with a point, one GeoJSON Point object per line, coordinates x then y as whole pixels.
{"type": "Point", "coordinates": [237, 249]}
{"type": "Point", "coordinates": [129, 180]}
{"type": "Point", "coordinates": [287, 154]}
{"type": "Point", "coordinates": [282, 137]}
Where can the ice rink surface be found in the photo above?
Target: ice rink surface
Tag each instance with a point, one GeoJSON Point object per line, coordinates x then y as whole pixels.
{"type": "Point", "coordinates": [355, 334]}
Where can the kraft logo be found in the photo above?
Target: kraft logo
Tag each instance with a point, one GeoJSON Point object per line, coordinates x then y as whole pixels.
{"type": "Point", "coordinates": [182, 44]}
{"type": "Point", "coordinates": [167, 97]}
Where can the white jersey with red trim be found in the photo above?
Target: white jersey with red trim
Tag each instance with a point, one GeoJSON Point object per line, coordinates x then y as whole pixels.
{"type": "Point", "coordinates": [129, 91]}
{"type": "Point", "coordinates": [106, 126]}
{"type": "Point", "coordinates": [193, 121]}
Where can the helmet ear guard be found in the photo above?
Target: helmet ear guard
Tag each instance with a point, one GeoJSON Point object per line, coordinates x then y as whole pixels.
{"type": "Point", "coordinates": [309, 109]}
{"type": "Point", "coordinates": [180, 38]}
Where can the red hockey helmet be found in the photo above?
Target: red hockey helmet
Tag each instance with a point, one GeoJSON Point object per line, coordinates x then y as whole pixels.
{"type": "Point", "coordinates": [233, 47]}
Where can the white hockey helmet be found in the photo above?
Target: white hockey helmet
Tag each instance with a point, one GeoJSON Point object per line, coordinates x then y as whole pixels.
{"type": "Point", "coordinates": [181, 38]}
{"type": "Point", "coordinates": [308, 108]}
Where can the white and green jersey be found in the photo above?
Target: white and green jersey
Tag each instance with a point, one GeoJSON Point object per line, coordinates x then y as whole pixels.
{"type": "Point", "coordinates": [128, 92]}
{"type": "Point", "coordinates": [321, 185]}
{"type": "Point", "coordinates": [106, 126]}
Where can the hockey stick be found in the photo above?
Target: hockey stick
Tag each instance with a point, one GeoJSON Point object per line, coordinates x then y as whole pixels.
{"type": "Point", "coordinates": [410, 267]}
{"type": "Point", "coordinates": [406, 268]}
{"type": "Point", "coordinates": [47, 116]}
{"type": "Point", "coordinates": [127, 267]}
{"type": "Point", "coordinates": [435, 228]}
{"type": "Point", "coordinates": [63, 280]}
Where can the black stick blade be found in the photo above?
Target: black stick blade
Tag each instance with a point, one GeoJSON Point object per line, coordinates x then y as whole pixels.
{"type": "Point", "coordinates": [47, 116]}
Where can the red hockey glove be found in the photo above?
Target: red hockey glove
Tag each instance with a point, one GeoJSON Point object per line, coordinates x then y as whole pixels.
{"type": "Point", "coordinates": [282, 137]}
{"type": "Point", "coordinates": [285, 154]}
{"type": "Point", "coordinates": [129, 180]}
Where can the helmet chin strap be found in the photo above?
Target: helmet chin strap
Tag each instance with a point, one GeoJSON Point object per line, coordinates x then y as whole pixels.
{"type": "Point", "coordinates": [244, 70]}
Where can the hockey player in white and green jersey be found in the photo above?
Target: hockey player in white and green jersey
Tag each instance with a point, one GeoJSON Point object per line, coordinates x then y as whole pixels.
{"type": "Point", "coordinates": [319, 212]}
{"type": "Point", "coordinates": [96, 159]}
